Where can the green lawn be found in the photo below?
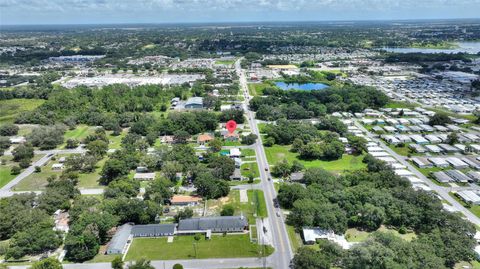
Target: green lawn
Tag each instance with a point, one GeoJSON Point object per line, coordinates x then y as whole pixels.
{"type": "Point", "coordinates": [225, 62]}
{"type": "Point", "coordinates": [13, 107]}
{"type": "Point", "coordinates": [38, 181]}
{"type": "Point", "coordinates": [277, 153]}
{"type": "Point", "coordinates": [399, 104]}
{"type": "Point", "coordinates": [248, 152]}
{"type": "Point", "coordinates": [79, 133]}
{"type": "Point", "coordinates": [116, 141]}
{"type": "Point", "coordinates": [295, 239]}
{"type": "Point", "coordinates": [255, 205]}
{"type": "Point", "coordinates": [248, 169]}
{"type": "Point", "coordinates": [5, 175]}
{"type": "Point", "coordinates": [257, 88]}
{"type": "Point", "coordinates": [257, 199]}
{"type": "Point", "coordinates": [404, 151]}
{"type": "Point", "coordinates": [186, 247]}
{"type": "Point", "coordinates": [261, 127]}
{"type": "Point", "coordinates": [355, 235]}
{"type": "Point", "coordinates": [231, 143]}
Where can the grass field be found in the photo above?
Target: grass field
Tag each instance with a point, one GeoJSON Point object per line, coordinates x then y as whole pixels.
{"type": "Point", "coordinates": [398, 104]}
{"type": "Point", "coordinates": [38, 181]}
{"type": "Point", "coordinates": [225, 62]}
{"type": "Point", "coordinates": [186, 247]}
{"type": "Point", "coordinates": [13, 107]}
{"type": "Point", "coordinates": [248, 169]}
{"type": "Point", "coordinates": [79, 133]}
{"type": "Point", "coordinates": [404, 151]}
{"type": "Point", "coordinates": [116, 141]}
{"type": "Point", "coordinates": [256, 204]}
{"type": "Point", "coordinates": [295, 239]}
{"type": "Point", "coordinates": [5, 175]}
{"type": "Point", "coordinates": [355, 235]}
{"type": "Point", "coordinates": [256, 89]}
{"type": "Point", "coordinates": [277, 153]}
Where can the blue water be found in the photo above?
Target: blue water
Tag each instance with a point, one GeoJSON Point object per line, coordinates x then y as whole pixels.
{"type": "Point", "coordinates": [300, 86]}
{"type": "Point", "coordinates": [467, 47]}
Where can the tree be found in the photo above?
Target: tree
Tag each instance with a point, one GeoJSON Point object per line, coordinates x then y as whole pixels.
{"type": "Point", "coordinates": [222, 166]}
{"type": "Point", "coordinates": [181, 137]}
{"type": "Point", "coordinates": [9, 129]}
{"type": "Point", "coordinates": [23, 151]}
{"type": "Point", "coordinates": [307, 258]}
{"type": "Point", "coordinates": [4, 143]}
{"type": "Point", "coordinates": [184, 214]}
{"type": "Point", "coordinates": [15, 170]}
{"type": "Point", "coordinates": [269, 141]}
{"type": "Point", "coordinates": [97, 148]}
{"type": "Point", "coordinates": [72, 143]}
{"type": "Point", "coordinates": [249, 139]}
{"type": "Point", "coordinates": [281, 168]}
{"type": "Point", "coordinates": [159, 191]}
{"type": "Point", "coordinates": [211, 188]}
{"type": "Point", "coordinates": [177, 266]}
{"type": "Point", "coordinates": [215, 145]}
{"type": "Point", "coordinates": [452, 138]}
{"type": "Point", "coordinates": [439, 119]}
{"type": "Point", "coordinates": [227, 210]}
{"type": "Point", "coordinates": [113, 169]}
{"type": "Point", "coordinates": [117, 263]}
{"type": "Point", "coordinates": [288, 194]}
{"type": "Point", "coordinates": [48, 263]}
{"type": "Point", "coordinates": [358, 144]}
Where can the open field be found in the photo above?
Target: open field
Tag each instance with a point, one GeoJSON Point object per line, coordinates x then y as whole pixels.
{"type": "Point", "coordinates": [5, 175]}
{"type": "Point", "coordinates": [399, 104]}
{"type": "Point", "coordinates": [38, 181]}
{"type": "Point", "coordinates": [256, 89]}
{"type": "Point", "coordinates": [186, 247]}
{"type": "Point", "coordinates": [277, 153]}
{"type": "Point", "coordinates": [248, 169]}
{"type": "Point", "coordinates": [225, 62]}
{"type": "Point", "coordinates": [13, 107]}
{"type": "Point", "coordinates": [256, 204]}
{"type": "Point", "coordinates": [79, 133]}
{"type": "Point", "coordinates": [355, 235]}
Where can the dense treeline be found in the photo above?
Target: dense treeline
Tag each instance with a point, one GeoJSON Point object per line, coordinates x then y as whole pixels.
{"type": "Point", "coordinates": [425, 57]}
{"type": "Point", "coordinates": [368, 199]}
{"type": "Point", "coordinates": [306, 104]}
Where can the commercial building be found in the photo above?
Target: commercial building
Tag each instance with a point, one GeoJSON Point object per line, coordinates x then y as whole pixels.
{"type": "Point", "coordinates": [194, 103]}
{"type": "Point", "coordinates": [119, 241]}
{"type": "Point", "coordinates": [213, 224]}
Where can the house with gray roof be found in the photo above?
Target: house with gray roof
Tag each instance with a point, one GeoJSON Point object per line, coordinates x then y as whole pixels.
{"type": "Point", "coordinates": [215, 224]}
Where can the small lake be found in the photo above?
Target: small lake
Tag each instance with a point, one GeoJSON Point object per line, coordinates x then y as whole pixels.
{"type": "Point", "coordinates": [300, 86]}
{"type": "Point", "coordinates": [467, 47]}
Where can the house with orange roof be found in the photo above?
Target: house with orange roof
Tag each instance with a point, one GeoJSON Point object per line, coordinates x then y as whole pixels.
{"type": "Point", "coordinates": [185, 200]}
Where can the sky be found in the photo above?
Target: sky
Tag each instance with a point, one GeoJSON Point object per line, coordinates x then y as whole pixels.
{"type": "Point", "coordinates": [187, 11]}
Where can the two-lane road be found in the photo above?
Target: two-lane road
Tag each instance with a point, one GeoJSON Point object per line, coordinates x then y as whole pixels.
{"type": "Point", "coordinates": [283, 251]}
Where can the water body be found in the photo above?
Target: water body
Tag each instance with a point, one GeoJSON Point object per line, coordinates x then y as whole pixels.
{"type": "Point", "coordinates": [301, 86]}
{"type": "Point", "coordinates": [466, 47]}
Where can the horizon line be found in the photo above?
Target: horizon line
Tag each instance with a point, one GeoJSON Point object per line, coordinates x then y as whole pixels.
{"type": "Point", "coordinates": [241, 22]}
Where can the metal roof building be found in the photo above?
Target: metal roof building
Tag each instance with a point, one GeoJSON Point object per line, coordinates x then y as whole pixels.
{"type": "Point", "coordinates": [119, 241]}
{"type": "Point", "coordinates": [153, 230]}
{"type": "Point", "coordinates": [215, 224]}
{"type": "Point", "coordinates": [442, 177]}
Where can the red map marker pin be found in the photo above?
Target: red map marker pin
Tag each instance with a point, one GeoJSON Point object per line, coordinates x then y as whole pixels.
{"type": "Point", "coordinates": [231, 126]}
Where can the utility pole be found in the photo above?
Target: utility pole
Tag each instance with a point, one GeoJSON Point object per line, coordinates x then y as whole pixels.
{"type": "Point", "coordinates": [195, 249]}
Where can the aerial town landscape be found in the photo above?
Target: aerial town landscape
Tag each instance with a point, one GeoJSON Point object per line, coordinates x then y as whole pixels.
{"type": "Point", "coordinates": [303, 145]}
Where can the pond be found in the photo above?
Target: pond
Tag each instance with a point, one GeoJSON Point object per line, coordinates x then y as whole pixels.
{"type": "Point", "coordinates": [467, 47]}
{"type": "Point", "coordinates": [301, 86]}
